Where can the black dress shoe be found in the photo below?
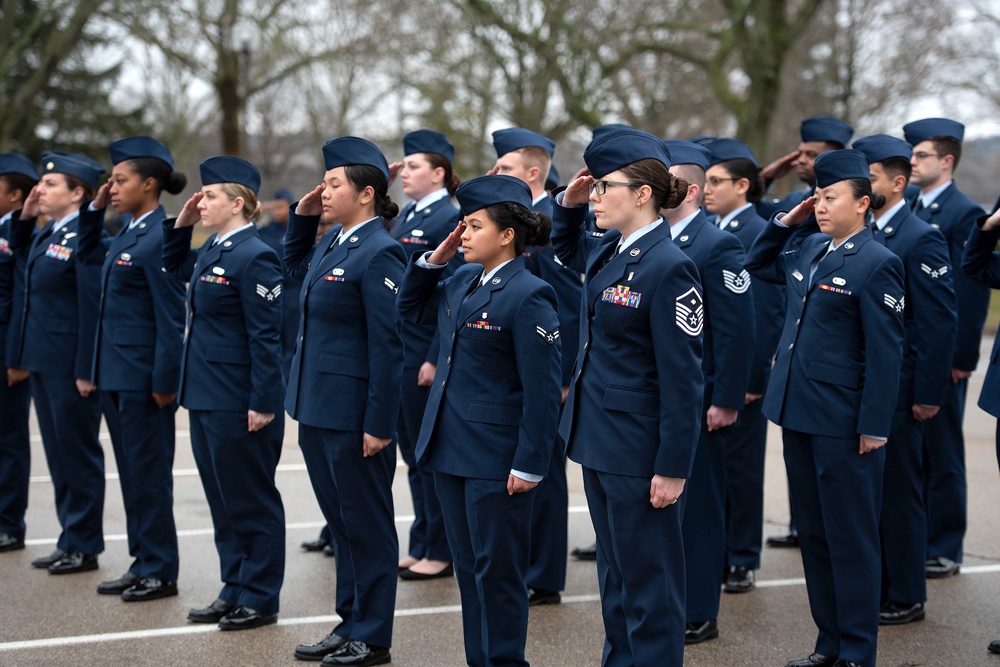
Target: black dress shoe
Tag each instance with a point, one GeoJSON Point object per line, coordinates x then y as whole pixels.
{"type": "Point", "coordinates": [994, 646]}
{"type": "Point", "coordinates": [695, 633]}
{"type": "Point", "coordinates": [73, 562]}
{"type": "Point", "coordinates": [150, 589]}
{"type": "Point", "coordinates": [10, 543]}
{"type": "Point", "coordinates": [786, 541]}
{"type": "Point", "coordinates": [358, 653]}
{"type": "Point", "coordinates": [315, 545]}
{"type": "Point", "coordinates": [894, 614]}
{"type": "Point", "coordinates": [815, 660]}
{"type": "Point", "coordinates": [537, 596]}
{"type": "Point", "coordinates": [213, 613]}
{"type": "Point", "coordinates": [585, 553]}
{"type": "Point", "coordinates": [410, 575]}
{"type": "Point", "coordinates": [118, 586]}
{"type": "Point", "coordinates": [245, 618]}
{"type": "Point", "coordinates": [739, 580]}
{"type": "Point", "coordinates": [846, 663]}
{"type": "Point", "coordinates": [316, 652]}
{"type": "Point", "coordinates": [44, 562]}
{"type": "Point", "coordinates": [328, 550]}
{"type": "Point", "coordinates": [940, 567]}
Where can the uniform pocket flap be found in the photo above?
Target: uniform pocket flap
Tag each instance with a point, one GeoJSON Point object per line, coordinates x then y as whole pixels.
{"type": "Point", "coordinates": [504, 414]}
{"type": "Point", "coordinates": [338, 364]}
{"type": "Point", "coordinates": [630, 400]}
{"type": "Point", "coordinates": [834, 374]}
{"type": "Point", "coordinates": [227, 355]}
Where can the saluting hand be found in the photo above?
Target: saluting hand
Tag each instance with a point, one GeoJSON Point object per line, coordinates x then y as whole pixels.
{"type": "Point", "coordinates": [780, 167]}
{"type": "Point", "coordinates": [31, 208]}
{"type": "Point", "coordinates": [664, 491]}
{"type": "Point", "coordinates": [373, 445]}
{"type": "Point", "coordinates": [189, 215]}
{"type": "Point", "coordinates": [517, 485]}
{"type": "Point", "coordinates": [103, 197]}
{"type": "Point", "coordinates": [258, 420]}
{"type": "Point", "coordinates": [577, 193]}
{"type": "Point", "coordinates": [800, 213]}
{"type": "Point", "coordinates": [312, 203]}
{"type": "Point", "coordinates": [870, 444]}
{"type": "Point", "coordinates": [394, 170]}
{"type": "Point", "coordinates": [85, 387]}
{"type": "Point", "coordinates": [444, 252]}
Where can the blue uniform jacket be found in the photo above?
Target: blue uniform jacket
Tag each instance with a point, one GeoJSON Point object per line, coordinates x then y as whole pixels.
{"type": "Point", "coordinates": [494, 404]}
{"type": "Point", "coordinates": [635, 403]}
{"type": "Point", "coordinates": [837, 369]}
{"type": "Point", "coordinates": [347, 372]}
{"type": "Point", "coordinates": [955, 215]}
{"type": "Point", "coordinates": [730, 334]}
{"type": "Point", "coordinates": [61, 296]}
{"type": "Point", "coordinates": [232, 350]}
{"type": "Point", "coordinates": [929, 316]}
{"type": "Point", "coordinates": [140, 329]}
{"type": "Point", "coordinates": [982, 264]}
{"type": "Point", "coordinates": [424, 231]}
{"type": "Point", "coordinates": [769, 304]}
{"type": "Point", "coordinates": [13, 253]}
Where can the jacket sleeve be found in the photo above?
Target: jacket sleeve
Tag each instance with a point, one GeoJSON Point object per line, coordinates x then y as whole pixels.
{"type": "Point", "coordinates": [766, 261]}
{"type": "Point", "coordinates": [932, 298]}
{"type": "Point", "coordinates": [300, 238]}
{"type": "Point", "coordinates": [419, 297]}
{"type": "Point", "coordinates": [981, 261]}
{"type": "Point", "coordinates": [20, 245]}
{"type": "Point", "coordinates": [882, 325]}
{"type": "Point", "coordinates": [539, 369]}
{"type": "Point", "coordinates": [379, 287]}
{"type": "Point", "coordinates": [167, 294]}
{"type": "Point", "coordinates": [178, 255]}
{"type": "Point", "coordinates": [769, 313]}
{"type": "Point", "coordinates": [571, 242]}
{"type": "Point", "coordinates": [568, 285]}
{"type": "Point", "coordinates": [729, 303]}
{"type": "Point", "coordinates": [93, 244]}
{"type": "Point", "coordinates": [262, 318]}
{"type": "Point", "coordinates": [88, 296]}
{"type": "Point", "coordinates": [973, 298]}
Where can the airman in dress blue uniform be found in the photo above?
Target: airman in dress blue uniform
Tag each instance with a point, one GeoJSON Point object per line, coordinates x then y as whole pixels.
{"type": "Point", "coordinates": [727, 355]}
{"type": "Point", "coordinates": [350, 351]}
{"type": "Point", "coordinates": [732, 188]}
{"type": "Point", "coordinates": [56, 345]}
{"type": "Point", "coordinates": [634, 412]}
{"type": "Point", "coordinates": [929, 318]}
{"type": "Point", "coordinates": [137, 356]}
{"type": "Point", "coordinates": [834, 397]}
{"type": "Point", "coordinates": [528, 156]}
{"type": "Point", "coordinates": [232, 386]}
{"type": "Point", "coordinates": [491, 416]}
{"type": "Point", "coordinates": [423, 224]}
{"type": "Point", "coordinates": [937, 147]}
{"type": "Point", "coordinates": [18, 175]}
{"type": "Point", "coordinates": [273, 234]}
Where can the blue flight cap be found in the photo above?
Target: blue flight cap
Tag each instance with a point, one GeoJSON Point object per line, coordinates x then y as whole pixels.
{"type": "Point", "coordinates": [826, 128]}
{"type": "Point", "coordinates": [601, 130]}
{"type": "Point", "coordinates": [552, 180]}
{"type": "Point", "coordinates": [514, 138]}
{"type": "Point", "coordinates": [13, 163]}
{"type": "Point", "coordinates": [428, 141]}
{"type": "Point", "coordinates": [283, 193]}
{"type": "Point", "coordinates": [723, 150]}
{"type": "Point", "coordinates": [133, 147]}
{"type": "Point", "coordinates": [922, 130]}
{"type": "Point", "coordinates": [835, 166]}
{"type": "Point", "coordinates": [686, 152]}
{"type": "Point", "coordinates": [879, 147]}
{"type": "Point", "coordinates": [701, 139]}
{"type": "Point", "coordinates": [482, 191]}
{"type": "Point", "coordinates": [72, 164]}
{"type": "Point", "coordinates": [344, 151]}
{"type": "Point", "coordinates": [620, 148]}
{"type": "Point", "coordinates": [229, 169]}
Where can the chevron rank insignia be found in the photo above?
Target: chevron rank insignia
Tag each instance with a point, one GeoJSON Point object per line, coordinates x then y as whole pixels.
{"type": "Point", "coordinates": [690, 312]}
{"type": "Point", "coordinates": [934, 273]}
{"type": "Point", "coordinates": [391, 285]}
{"type": "Point", "coordinates": [269, 295]}
{"type": "Point", "coordinates": [549, 337]}
{"type": "Point", "coordinates": [736, 283]}
{"type": "Point", "coordinates": [895, 304]}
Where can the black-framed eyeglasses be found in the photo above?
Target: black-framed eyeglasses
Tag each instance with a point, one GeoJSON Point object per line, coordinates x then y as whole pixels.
{"type": "Point", "coordinates": [923, 156]}
{"type": "Point", "coordinates": [715, 181]}
{"type": "Point", "coordinates": [600, 187]}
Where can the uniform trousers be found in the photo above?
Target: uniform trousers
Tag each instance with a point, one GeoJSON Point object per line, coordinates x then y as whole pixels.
{"type": "Point", "coordinates": [838, 496]}
{"type": "Point", "coordinates": [904, 520]}
{"type": "Point", "coordinates": [640, 570]}
{"type": "Point", "coordinates": [15, 456]}
{"type": "Point", "coordinates": [947, 488]}
{"type": "Point", "coordinates": [744, 450]}
{"type": "Point", "coordinates": [142, 436]}
{"type": "Point", "coordinates": [69, 425]}
{"type": "Point", "coordinates": [355, 495]}
{"type": "Point", "coordinates": [489, 531]}
{"type": "Point", "coordinates": [237, 467]}
{"type": "Point", "coordinates": [427, 534]}
{"type": "Point", "coordinates": [703, 526]}
{"type": "Point", "coordinates": [550, 526]}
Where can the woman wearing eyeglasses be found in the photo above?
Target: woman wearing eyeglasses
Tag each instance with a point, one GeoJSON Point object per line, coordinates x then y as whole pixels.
{"type": "Point", "coordinates": [633, 416]}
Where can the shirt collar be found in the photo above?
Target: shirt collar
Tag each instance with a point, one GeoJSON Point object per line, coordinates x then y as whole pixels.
{"type": "Point", "coordinates": [832, 246]}
{"type": "Point", "coordinates": [430, 199]}
{"type": "Point", "coordinates": [6, 216]}
{"type": "Point", "coordinates": [485, 279]}
{"type": "Point", "coordinates": [732, 214]}
{"type": "Point", "coordinates": [353, 230]}
{"type": "Point", "coordinates": [65, 221]}
{"type": "Point", "coordinates": [625, 242]}
{"type": "Point", "coordinates": [884, 219]}
{"type": "Point", "coordinates": [927, 198]}
{"type": "Point", "coordinates": [678, 227]}
{"type": "Point", "coordinates": [539, 198]}
{"type": "Point", "coordinates": [220, 239]}
{"type": "Point", "coordinates": [135, 223]}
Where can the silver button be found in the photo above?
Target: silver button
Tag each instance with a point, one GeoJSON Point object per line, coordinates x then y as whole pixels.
{"type": "Point", "coordinates": [797, 321]}
{"type": "Point", "coordinates": [791, 345]}
{"type": "Point", "coordinates": [803, 299]}
{"type": "Point", "coordinates": [449, 360]}
{"type": "Point", "coordinates": [443, 383]}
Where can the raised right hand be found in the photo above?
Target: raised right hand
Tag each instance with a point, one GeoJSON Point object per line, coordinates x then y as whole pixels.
{"type": "Point", "coordinates": [31, 208]}
{"type": "Point", "coordinates": [312, 203]}
{"type": "Point", "coordinates": [779, 167]}
{"type": "Point", "coordinates": [189, 215]}
{"type": "Point", "coordinates": [444, 252]}
{"type": "Point", "coordinates": [103, 197]}
{"type": "Point", "coordinates": [577, 193]}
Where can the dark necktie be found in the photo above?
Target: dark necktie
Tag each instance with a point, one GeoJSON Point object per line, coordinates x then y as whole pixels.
{"type": "Point", "coordinates": [475, 286]}
{"type": "Point", "coordinates": [918, 205]}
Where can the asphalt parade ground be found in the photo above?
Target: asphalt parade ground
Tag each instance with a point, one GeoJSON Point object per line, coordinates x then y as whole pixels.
{"type": "Point", "coordinates": [60, 620]}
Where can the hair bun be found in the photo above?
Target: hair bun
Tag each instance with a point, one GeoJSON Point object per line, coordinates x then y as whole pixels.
{"type": "Point", "coordinates": [176, 183]}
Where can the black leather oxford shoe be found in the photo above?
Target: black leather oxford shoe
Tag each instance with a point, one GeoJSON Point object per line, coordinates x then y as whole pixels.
{"type": "Point", "coordinates": [150, 589]}
{"type": "Point", "coordinates": [73, 562]}
{"type": "Point", "coordinates": [318, 651]}
{"type": "Point", "coordinates": [245, 618]}
{"type": "Point", "coordinates": [696, 633]}
{"type": "Point", "coordinates": [585, 553]}
{"type": "Point", "coordinates": [894, 614]}
{"type": "Point", "coordinates": [739, 580]}
{"type": "Point", "coordinates": [44, 562]}
{"type": "Point", "coordinates": [815, 660]}
{"type": "Point", "coordinates": [359, 654]}
{"type": "Point", "coordinates": [213, 613]}
{"type": "Point", "coordinates": [786, 541]}
{"type": "Point", "coordinates": [118, 586]}
{"type": "Point", "coordinates": [940, 567]}
{"type": "Point", "coordinates": [537, 596]}
{"type": "Point", "coordinates": [314, 545]}
{"type": "Point", "coordinates": [10, 543]}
